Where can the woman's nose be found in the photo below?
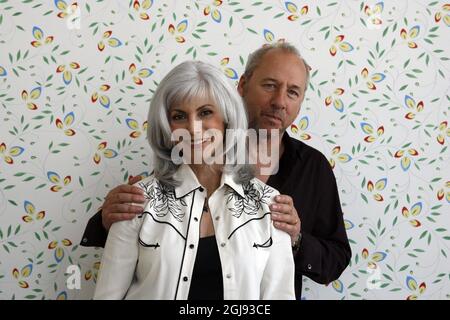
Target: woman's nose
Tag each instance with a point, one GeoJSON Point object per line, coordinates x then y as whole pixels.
{"type": "Point", "coordinates": [195, 127]}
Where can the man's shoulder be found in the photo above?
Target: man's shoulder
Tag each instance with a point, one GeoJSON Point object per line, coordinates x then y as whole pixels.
{"type": "Point", "coordinates": [305, 151]}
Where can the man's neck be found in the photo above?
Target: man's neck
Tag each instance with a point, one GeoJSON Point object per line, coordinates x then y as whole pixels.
{"type": "Point", "coordinates": [275, 155]}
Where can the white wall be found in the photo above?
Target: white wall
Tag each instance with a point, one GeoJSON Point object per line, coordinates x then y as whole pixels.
{"type": "Point", "coordinates": [402, 253]}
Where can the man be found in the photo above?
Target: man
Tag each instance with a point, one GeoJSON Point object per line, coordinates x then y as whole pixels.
{"type": "Point", "coordinates": [273, 88]}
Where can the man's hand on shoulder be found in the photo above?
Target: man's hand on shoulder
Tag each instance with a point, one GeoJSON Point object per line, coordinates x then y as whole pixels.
{"type": "Point", "coordinates": [285, 217]}
{"type": "Point", "coordinates": [119, 202]}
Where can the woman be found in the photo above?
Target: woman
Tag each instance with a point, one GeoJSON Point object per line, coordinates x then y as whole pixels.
{"type": "Point", "coordinates": [206, 231]}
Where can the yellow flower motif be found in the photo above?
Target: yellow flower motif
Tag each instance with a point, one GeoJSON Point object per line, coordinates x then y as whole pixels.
{"type": "Point", "coordinates": [336, 154]}
{"type": "Point", "coordinates": [445, 12]}
{"type": "Point", "coordinates": [334, 98]}
{"type": "Point", "coordinates": [444, 131]}
{"type": "Point", "coordinates": [181, 28]}
{"type": "Point", "coordinates": [24, 273]}
{"type": "Point", "coordinates": [410, 36]}
{"type": "Point", "coordinates": [31, 97]}
{"type": "Point", "coordinates": [339, 43]}
{"type": "Point", "coordinates": [145, 5]}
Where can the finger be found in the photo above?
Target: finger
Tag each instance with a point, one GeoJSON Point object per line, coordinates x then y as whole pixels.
{"type": "Point", "coordinates": [281, 217]}
{"type": "Point", "coordinates": [282, 198]}
{"type": "Point", "coordinates": [291, 230]}
{"type": "Point", "coordinates": [133, 180]}
{"type": "Point", "coordinates": [283, 208]}
{"type": "Point", "coordinates": [122, 216]}
{"type": "Point", "coordinates": [117, 209]}
{"type": "Point", "coordinates": [123, 198]}
{"type": "Point", "coordinates": [126, 188]}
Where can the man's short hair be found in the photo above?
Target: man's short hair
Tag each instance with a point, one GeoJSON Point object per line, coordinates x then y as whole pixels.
{"type": "Point", "coordinates": [255, 58]}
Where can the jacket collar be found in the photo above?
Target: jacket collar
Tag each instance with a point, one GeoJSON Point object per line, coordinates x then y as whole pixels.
{"type": "Point", "coordinates": [228, 180]}
{"type": "Point", "coordinates": [189, 182]}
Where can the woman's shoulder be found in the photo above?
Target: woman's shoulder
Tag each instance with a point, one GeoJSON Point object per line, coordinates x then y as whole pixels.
{"type": "Point", "coordinates": [263, 186]}
{"type": "Point", "coordinates": [148, 182]}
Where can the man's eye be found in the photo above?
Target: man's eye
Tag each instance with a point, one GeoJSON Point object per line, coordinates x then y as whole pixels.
{"type": "Point", "coordinates": [269, 85]}
{"type": "Point", "coordinates": [293, 93]}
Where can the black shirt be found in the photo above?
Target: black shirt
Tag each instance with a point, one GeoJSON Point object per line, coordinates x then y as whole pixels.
{"type": "Point", "coordinates": [305, 175]}
{"type": "Point", "coordinates": [207, 281]}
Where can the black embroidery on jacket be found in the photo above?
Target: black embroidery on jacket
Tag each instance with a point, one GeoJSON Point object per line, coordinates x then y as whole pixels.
{"type": "Point", "coordinates": [155, 246]}
{"type": "Point", "coordinates": [266, 244]}
{"type": "Point", "coordinates": [250, 220]}
{"type": "Point", "coordinates": [164, 222]}
{"type": "Point", "coordinates": [163, 200]}
{"type": "Point", "coordinates": [254, 196]}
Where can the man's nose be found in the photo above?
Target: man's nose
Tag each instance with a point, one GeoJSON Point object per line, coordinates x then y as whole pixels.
{"type": "Point", "coordinates": [279, 99]}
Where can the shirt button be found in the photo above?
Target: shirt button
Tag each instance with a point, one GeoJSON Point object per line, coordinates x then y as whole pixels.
{"type": "Point", "coordinates": [191, 246]}
{"type": "Point", "coordinates": [223, 244]}
{"type": "Point", "coordinates": [228, 276]}
{"type": "Point", "coordinates": [309, 267]}
{"type": "Point", "coordinates": [84, 240]}
{"type": "Point", "coordinates": [201, 189]}
{"type": "Point", "coordinates": [185, 278]}
{"type": "Point", "coordinates": [217, 218]}
{"type": "Point", "coordinates": [195, 219]}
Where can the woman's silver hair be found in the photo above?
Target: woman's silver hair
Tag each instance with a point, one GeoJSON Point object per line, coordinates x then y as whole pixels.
{"type": "Point", "coordinates": [188, 80]}
{"type": "Point", "coordinates": [254, 59]}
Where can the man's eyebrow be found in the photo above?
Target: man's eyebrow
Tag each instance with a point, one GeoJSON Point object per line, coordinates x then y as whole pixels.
{"type": "Point", "coordinates": [270, 79]}
{"type": "Point", "coordinates": [294, 86]}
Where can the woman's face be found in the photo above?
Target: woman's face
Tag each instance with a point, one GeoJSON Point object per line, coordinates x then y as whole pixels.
{"type": "Point", "coordinates": [201, 119]}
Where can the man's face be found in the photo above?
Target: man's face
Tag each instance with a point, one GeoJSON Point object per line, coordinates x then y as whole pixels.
{"type": "Point", "coordinates": [274, 92]}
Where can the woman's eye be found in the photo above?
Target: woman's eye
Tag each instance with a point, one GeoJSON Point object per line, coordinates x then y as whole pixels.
{"type": "Point", "coordinates": [205, 113]}
{"type": "Point", "coordinates": [177, 117]}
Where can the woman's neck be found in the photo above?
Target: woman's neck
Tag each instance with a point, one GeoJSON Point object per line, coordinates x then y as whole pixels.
{"type": "Point", "coordinates": [208, 176]}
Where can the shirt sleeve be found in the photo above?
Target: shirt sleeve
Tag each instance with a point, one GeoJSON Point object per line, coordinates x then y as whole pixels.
{"type": "Point", "coordinates": [324, 251]}
{"type": "Point", "coordinates": [119, 260]}
{"type": "Point", "coordinates": [278, 277]}
{"type": "Point", "coordinates": [95, 234]}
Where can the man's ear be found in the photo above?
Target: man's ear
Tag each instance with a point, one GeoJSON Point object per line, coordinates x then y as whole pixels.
{"type": "Point", "coordinates": [240, 88]}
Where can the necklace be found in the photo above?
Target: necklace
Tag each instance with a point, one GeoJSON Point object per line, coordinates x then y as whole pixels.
{"type": "Point", "coordinates": [205, 206]}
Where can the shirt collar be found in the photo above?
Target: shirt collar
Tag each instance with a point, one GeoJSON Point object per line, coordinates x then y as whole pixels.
{"type": "Point", "coordinates": [189, 182]}
{"type": "Point", "coordinates": [291, 147]}
{"type": "Point", "coordinates": [228, 180]}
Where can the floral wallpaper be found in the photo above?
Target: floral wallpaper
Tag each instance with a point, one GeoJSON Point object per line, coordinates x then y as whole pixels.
{"type": "Point", "coordinates": [76, 78]}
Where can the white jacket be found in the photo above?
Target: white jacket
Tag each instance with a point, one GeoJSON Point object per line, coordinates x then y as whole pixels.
{"type": "Point", "coordinates": [152, 256]}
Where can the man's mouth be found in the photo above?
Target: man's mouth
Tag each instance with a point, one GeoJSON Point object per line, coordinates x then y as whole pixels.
{"type": "Point", "coordinates": [272, 116]}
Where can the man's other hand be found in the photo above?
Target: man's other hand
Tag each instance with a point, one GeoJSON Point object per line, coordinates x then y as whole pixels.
{"type": "Point", "coordinates": [285, 217]}
{"type": "Point", "coordinates": [119, 202]}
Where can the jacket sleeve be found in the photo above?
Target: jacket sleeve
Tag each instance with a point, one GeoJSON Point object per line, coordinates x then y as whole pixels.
{"type": "Point", "coordinates": [95, 234]}
{"type": "Point", "coordinates": [278, 277]}
{"type": "Point", "coordinates": [324, 250]}
{"type": "Point", "coordinates": [119, 260]}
